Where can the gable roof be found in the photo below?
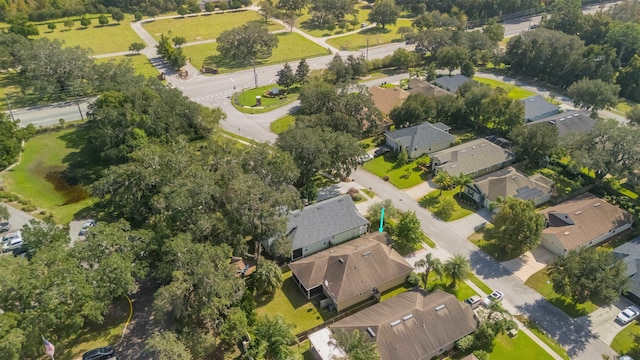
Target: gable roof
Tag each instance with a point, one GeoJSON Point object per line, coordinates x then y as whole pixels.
{"type": "Point", "coordinates": [470, 157]}
{"type": "Point", "coordinates": [580, 220]}
{"type": "Point", "coordinates": [536, 106]}
{"type": "Point", "coordinates": [425, 323]}
{"type": "Point", "coordinates": [422, 136]}
{"type": "Point", "coordinates": [323, 220]}
{"type": "Point", "coordinates": [351, 268]}
{"type": "Point", "coordinates": [629, 252]}
{"type": "Point", "coordinates": [417, 86]}
{"type": "Point", "coordinates": [451, 83]}
{"type": "Point", "coordinates": [569, 122]}
{"type": "Point", "coordinates": [510, 182]}
{"type": "Point", "coordinates": [386, 99]}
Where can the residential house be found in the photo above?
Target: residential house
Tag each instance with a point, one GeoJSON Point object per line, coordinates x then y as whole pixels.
{"type": "Point", "coordinates": [536, 108]}
{"type": "Point", "coordinates": [420, 139]}
{"type": "Point", "coordinates": [451, 83]}
{"type": "Point", "coordinates": [473, 158]}
{"type": "Point", "coordinates": [510, 182]}
{"type": "Point", "coordinates": [352, 272]}
{"type": "Point", "coordinates": [629, 252]}
{"type": "Point", "coordinates": [414, 325]}
{"type": "Point", "coordinates": [326, 223]}
{"type": "Point", "coordinates": [417, 86]}
{"type": "Point", "coordinates": [568, 122]}
{"type": "Point", "coordinates": [583, 221]}
{"type": "Point", "coordinates": [386, 99]}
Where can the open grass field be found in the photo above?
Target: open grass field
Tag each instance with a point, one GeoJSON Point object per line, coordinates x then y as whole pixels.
{"type": "Point", "coordinates": [514, 91]}
{"type": "Point", "coordinates": [432, 202]}
{"type": "Point", "coordinates": [291, 47]}
{"type": "Point", "coordinates": [540, 283]}
{"type": "Point", "coordinates": [293, 306]}
{"type": "Point", "coordinates": [627, 342]}
{"type": "Point", "coordinates": [100, 39]}
{"type": "Point", "coordinates": [245, 101]}
{"type": "Point", "coordinates": [402, 177]}
{"type": "Point", "coordinates": [204, 26]}
{"type": "Point", "coordinates": [140, 63]}
{"type": "Point", "coordinates": [40, 176]}
{"type": "Point", "coordinates": [305, 24]}
{"type": "Point", "coordinates": [281, 125]}
{"type": "Point", "coordinates": [376, 36]}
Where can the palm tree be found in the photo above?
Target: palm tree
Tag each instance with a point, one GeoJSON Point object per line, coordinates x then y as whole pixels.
{"type": "Point", "coordinates": [443, 180]}
{"type": "Point", "coordinates": [462, 180]}
{"type": "Point", "coordinates": [457, 269]}
{"type": "Point", "coordinates": [429, 263]}
{"type": "Point", "coordinates": [417, 72]}
{"type": "Point", "coordinates": [267, 278]}
{"type": "Point", "coordinates": [356, 345]}
{"type": "Point", "coordinates": [495, 307]}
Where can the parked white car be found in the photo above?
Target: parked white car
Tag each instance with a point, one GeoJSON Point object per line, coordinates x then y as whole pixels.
{"type": "Point", "coordinates": [12, 241]}
{"type": "Point", "coordinates": [495, 296]}
{"type": "Point", "coordinates": [86, 226]}
{"type": "Point", "coordinates": [628, 315]}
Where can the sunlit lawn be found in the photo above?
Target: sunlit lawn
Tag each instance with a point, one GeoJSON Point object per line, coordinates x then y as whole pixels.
{"type": "Point", "coordinates": [375, 36]}
{"type": "Point", "coordinates": [305, 24]}
{"type": "Point", "coordinates": [293, 306]}
{"type": "Point", "coordinates": [140, 64]}
{"type": "Point", "coordinates": [515, 92]}
{"type": "Point", "coordinates": [462, 292]}
{"type": "Point", "coordinates": [40, 179]}
{"type": "Point", "coordinates": [627, 342]}
{"type": "Point", "coordinates": [402, 177]}
{"type": "Point", "coordinates": [291, 47]}
{"type": "Point", "coordinates": [281, 125]}
{"type": "Point", "coordinates": [540, 334]}
{"type": "Point", "coordinates": [394, 291]}
{"type": "Point", "coordinates": [485, 240]}
{"type": "Point", "coordinates": [248, 98]}
{"type": "Point", "coordinates": [111, 38]}
{"type": "Point", "coordinates": [433, 200]}
{"type": "Point", "coordinates": [540, 282]}
{"type": "Point", "coordinates": [481, 285]}
{"type": "Point", "coordinates": [522, 347]}
{"type": "Point", "coordinates": [204, 27]}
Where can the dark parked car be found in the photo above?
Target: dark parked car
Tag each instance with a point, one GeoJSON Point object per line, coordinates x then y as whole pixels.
{"type": "Point", "coordinates": [4, 226]}
{"type": "Point", "coordinates": [103, 353]}
{"type": "Point", "coordinates": [381, 151]}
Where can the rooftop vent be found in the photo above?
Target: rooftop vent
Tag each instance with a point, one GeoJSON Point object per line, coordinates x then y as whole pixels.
{"type": "Point", "coordinates": [439, 307]}
{"type": "Point", "coordinates": [396, 323]}
{"type": "Point", "coordinates": [513, 177]}
{"type": "Point", "coordinates": [596, 204]}
{"type": "Point", "coordinates": [371, 333]}
{"type": "Point", "coordinates": [566, 233]}
{"type": "Point", "coordinates": [341, 260]}
{"type": "Point", "coordinates": [578, 212]}
{"type": "Point", "coordinates": [473, 147]}
{"type": "Point", "coordinates": [410, 316]}
{"type": "Point", "coordinates": [366, 253]}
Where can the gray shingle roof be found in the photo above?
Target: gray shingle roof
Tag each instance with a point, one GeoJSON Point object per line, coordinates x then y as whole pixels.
{"type": "Point", "coordinates": [569, 122]}
{"type": "Point", "coordinates": [536, 106]}
{"type": "Point", "coordinates": [322, 220]}
{"type": "Point", "coordinates": [510, 182]}
{"type": "Point", "coordinates": [425, 323]}
{"type": "Point", "coordinates": [629, 252]}
{"type": "Point", "coordinates": [422, 136]}
{"type": "Point", "coordinates": [470, 157]}
{"type": "Point", "coordinates": [417, 86]}
{"type": "Point", "coordinates": [451, 83]}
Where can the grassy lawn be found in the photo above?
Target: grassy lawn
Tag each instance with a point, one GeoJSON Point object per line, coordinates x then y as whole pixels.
{"type": "Point", "coordinates": [394, 291]}
{"type": "Point", "coordinates": [542, 336]}
{"type": "Point", "coordinates": [307, 26]}
{"type": "Point", "coordinates": [514, 91]}
{"type": "Point", "coordinates": [485, 240]}
{"type": "Point", "coordinates": [433, 199]}
{"type": "Point", "coordinates": [293, 306]}
{"type": "Point", "coordinates": [522, 347]}
{"type": "Point", "coordinates": [204, 27]}
{"type": "Point", "coordinates": [402, 177]}
{"type": "Point", "coordinates": [247, 100]}
{"type": "Point", "coordinates": [111, 38]}
{"type": "Point", "coordinates": [623, 107]}
{"type": "Point", "coordinates": [540, 283]}
{"type": "Point", "coordinates": [40, 176]}
{"type": "Point", "coordinates": [235, 136]}
{"type": "Point", "coordinates": [140, 63]}
{"type": "Point", "coordinates": [477, 282]}
{"type": "Point", "coordinates": [461, 293]}
{"type": "Point", "coordinates": [369, 143]}
{"type": "Point", "coordinates": [628, 340]}
{"type": "Point", "coordinates": [376, 36]}
{"type": "Point", "coordinates": [291, 47]}
{"type": "Point", "coordinates": [281, 125]}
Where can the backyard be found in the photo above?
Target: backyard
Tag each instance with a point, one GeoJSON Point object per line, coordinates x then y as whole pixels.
{"type": "Point", "coordinates": [245, 101]}
{"type": "Point", "coordinates": [369, 37]}
{"type": "Point", "coordinates": [540, 282]}
{"type": "Point", "coordinates": [515, 92]}
{"type": "Point", "coordinates": [628, 340]}
{"type": "Point", "coordinates": [401, 177]}
{"type": "Point", "coordinates": [140, 64]}
{"type": "Point", "coordinates": [433, 202]}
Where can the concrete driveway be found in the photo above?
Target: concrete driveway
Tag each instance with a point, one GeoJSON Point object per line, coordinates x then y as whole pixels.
{"type": "Point", "coordinates": [472, 223]}
{"type": "Point", "coordinates": [602, 321]}
{"type": "Point", "coordinates": [529, 263]}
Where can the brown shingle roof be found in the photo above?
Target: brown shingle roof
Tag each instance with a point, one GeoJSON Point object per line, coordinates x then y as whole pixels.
{"type": "Point", "coordinates": [578, 221]}
{"type": "Point", "coordinates": [351, 268]}
{"type": "Point", "coordinates": [417, 86]}
{"type": "Point", "coordinates": [387, 99]}
{"type": "Point", "coordinates": [510, 182]}
{"type": "Point", "coordinates": [424, 324]}
{"type": "Point", "coordinates": [470, 157]}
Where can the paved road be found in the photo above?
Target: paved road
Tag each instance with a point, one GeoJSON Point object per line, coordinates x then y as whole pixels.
{"type": "Point", "coordinates": [17, 218]}
{"type": "Point", "coordinates": [574, 335]}
{"type": "Point", "coordinates": [51, 114]}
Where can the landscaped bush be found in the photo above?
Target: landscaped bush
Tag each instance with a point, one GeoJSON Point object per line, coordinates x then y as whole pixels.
{"type": "Point", "coordinates": [413, 279]}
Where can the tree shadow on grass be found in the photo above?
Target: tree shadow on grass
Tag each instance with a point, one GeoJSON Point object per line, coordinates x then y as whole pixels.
{"type": "Point", "coordinates": [430, 200]}
{"type": "Point", "coordinates": [221, 62]}
{"type": "Point", "coordinates": [374, 31]}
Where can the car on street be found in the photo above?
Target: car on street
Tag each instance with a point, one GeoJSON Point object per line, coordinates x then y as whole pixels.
{"type": "Point", "coordinates": [628, 315]}
{"type": "Point", "coordinates": [4, 226]}
{"type": "Point", "coordinates": [381, 151]}
{"type": "Point", "coordinates": [86, 226]}
{"type": "Point", "coordinates": [103, 353]}
{"type": "Point", "coordinates": [12, 241]}
{"type": "Point", "coordinates": [474, 301]}
{"type": "Point", "coordinates": [364, 158]}
{"type": "Point", "coordinates": [495, 296]}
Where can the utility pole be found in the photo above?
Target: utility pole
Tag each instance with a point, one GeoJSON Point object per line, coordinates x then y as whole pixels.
{"type": "Point", "coordinates": [367, 57]}
{"type": "Point", "coordinates": [10, 110]}
{"type": "Point", "coordinates": [255, 74]}
{"type": "Point", "coordinates": [78, 104]}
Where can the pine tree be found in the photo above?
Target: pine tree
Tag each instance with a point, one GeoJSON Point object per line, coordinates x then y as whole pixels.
{"type": "Point", "coordinates": [286, 78]}
{"type": "Point", "coordinates": [302, 72]}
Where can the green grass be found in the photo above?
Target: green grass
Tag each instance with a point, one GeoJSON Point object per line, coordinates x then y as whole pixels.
{"type": "Point", "coordinates": [305, 24]}
{"type": "Point", "coordinates": [522, 347]}
{"type": "Point", "coordinates": [369, 193]}
{"type": "Point", "coordinates": [247, 99]}
{"type": "Point", "coordinates": [394, 291]}
{"type": "Point", "coordinates": [432, 201]}
{"type": "Point", "coordinates": [40, 178]}
{"type": "Point", "coordinates": [623, 107]}
{"type": "Point", "coordinates": [281, 125]}
{"type": "Point", "coordinates": [235, 136]}
{"type": "Point", "coordinates": [204, 27]}
{"type": "Point", "coordinates": [375, 36]}
{"type": "Point", "coordinates": [111, 38]}
{"type": "Point", "coordinates": [429, 242]}
{"type": "Point", "coordinates": [291, 47]}
{"type": "Point", "coordinates": [385, 166]}
{"type": "Point", "coordinates": [462, 292]}
{"type": "Point", "coordinates": [369, 143]}
{"type": "Point", "coordinates": [627, 342]}
{"type": "Point", "coordinates": [140, 64]}
{"type": "Point", "coordinates": [514, 91]}
{"type": "Point", "coordinates": [293, 306]}
{"type": "Point", "coordinates": [540, 282]}
{"type": "Point", "coordinates": [540, 334]}
{"type": "Point", "coordinates": [481, 285]}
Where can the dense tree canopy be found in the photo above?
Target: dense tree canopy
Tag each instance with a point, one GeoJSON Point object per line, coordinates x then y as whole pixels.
{"type": "Point", "coordinates": [534, 142]}
{"type": "Point", "coordinates": [246, 43]}
{"type": "Point", "coordinates": [593, 94]}
{"type": "Point", "coordinates": [518, 227]}
{"type": "Point", "coordinates": [384, 12]}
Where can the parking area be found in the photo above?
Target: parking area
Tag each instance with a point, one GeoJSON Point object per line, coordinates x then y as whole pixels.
{"type": "Point", "coordinates": [602, 322]}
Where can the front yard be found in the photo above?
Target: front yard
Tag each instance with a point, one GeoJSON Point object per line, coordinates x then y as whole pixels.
{"type": "Point", "coordinates": [434, 201]}
{"type": "Point", "coordinates": [513, 91]}
{"type": "Point", "coordinates": [540, 282]}
{"type": "Point", "coordinates": [627, 342]}
{"type": "Point", "coordinates": [401, 177]}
